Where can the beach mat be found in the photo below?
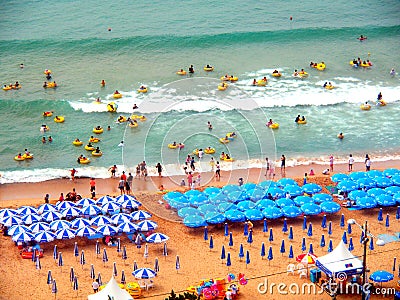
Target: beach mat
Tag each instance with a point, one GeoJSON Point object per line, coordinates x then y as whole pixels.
{"type": "Point", "coordinates": [332, 189]}
{"type": "Point", "coordinates": [354, 208]}
{"type": "Point", "coordinates": [388, 238]}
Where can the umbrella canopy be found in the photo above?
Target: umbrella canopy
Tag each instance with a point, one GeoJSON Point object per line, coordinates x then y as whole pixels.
{"type": "Point", "coordinates": [127, 227]}
{"type": "Point", "coordinates": [26, 210]}
{"type": "Point", "coordinates": [254, 215]}
{"type": "Point", "coordinates": [311, 188]}
{"type": "Point", "coordinates": [283, 202]}
{"type": "Point", "coordinates": [7, 212]}
{"type": "Point", "coordinates": [291, 211]}
{"type": "Point", "coordinates": [338, 177]}
{"type": "Point", "coordinates": [375, 173]}
{"type": "Point", "coordinates": [391, 190]}
{"type": "Point", "coordinates": [147, 225]}
{"type": "Point", "coordinates": [30, 219]}
{"type": "Point", "coordinates": [188, 211]}
{"type": "Point", "coordinates": [375, 192]}
{"type": "Point", "coordinates": [140, 215]}
{"type": "Point", "coordinates": [306, 258]}
{"type": "Point", "coordinates": [223, 207]}
{"type": "Point", "coordinates": [249, 186]}
{"type": "Point", "coordinates": [193, 193]}
{"type": "Point", "coordinates": [272, 212]}
{"type": "Point", "coordinates": [227, 189]}
{"type": "Point", "coordinates": [11, 221]}
{"type": "Point", "coordinates": [311, 209]}
{"type": "Point", "coordinates": [293, 190]}
{"type": "Point", "coordinates": [391, 172]}
{"type": "Point", "coordinates": [85, 202]}
{"type": "Point", "coordinates": [198, 200]}
{"type": "Point", "coordinates": [245, 205]}
{"type": "Point", "coordinates": [45, 208]}
{"type": "Point", "coordinates": [51, 216]}
{"type": "Point", "coordinates": [107, 230]}
{"type": "Point", "coordinates": [157, 238]}
{"type": "Point", "coordinates": [366, 202]}
{"type": "Point", "coordinates": [381, 276]}
{"type": "Point", "coordinates": [172, 195]}
{"type": "Point", "coordinates": [104, 199]}
{"type": "Point", "coordinates": [234, 215]}
{"type": "Point", "coordinates": [101, 220]}
{"type": "Point", "coordinates": [130, 204]}
{"type": "Point", "coordinates": [322, 197]}
{"type": "Point", "coordinates": [367, 183]}
{"type": "Point", "coordinates": [300, 200]}
{"type": "Point", "coordinates": [44, 237]}
{"type": "Point", "coordinates": [64, 234]}
{"type": "Point", "coordinates": [85, 231]}
{"type": "Point", "coordinates": [275, 192]}
{"type": "Point", "coordinates": [211, 190]}
{"type": "Point", "coordinates": [61, 205]}
{"type": "Point", "coordinates": [383, 182]}
{"type": "Point", "coordinates": [218, 198]}
{"type": "Point", "coordinates": [347, 185]}
{"type": "Point", "coordinates": [111, 207]}
{"type": "Point", "coordinates": [79, 223]}
{"type": "Point", "coordinates": [144, 273]}
{"type": "Point", "coordinates": [268, 184]}
{"type": "Point", "coordinates": [358, 175]}
{"type": "Point", "coordinates": [179, 203]}
{"type": "Point", "coordinates": [237, 196]}
{"type": "Point", "coordinates": [91, 210]}
{"type": "Point", "coordinates": [330, 207]}
{"type": "Point", "coordinates": [357, 194]}
{"type": "Point", "coordinates": [22, 237]}
{"type": "Point", "coordinates": [15, 229]}
{"type": "Point", "coordinates": [194, 221]}
{"type": "Point", "coordinates": [264, 203]}
{"type": "Point", "coordinates": [214, 217]}
{"type": "Point", "coordinates": [385, 200]}
{"type": "Point", "coordinates": [256, 194]}
{"type": "Point", "coordinates": [71, 212]}
{"type": "Point", "coordinates": [203, 209]}
{"type": "Point", "coordinates": [286, 181]}
{"type": "Point", "coordinates": [124, 197]}
{"type": "Point", "coordinates": [60, 224]}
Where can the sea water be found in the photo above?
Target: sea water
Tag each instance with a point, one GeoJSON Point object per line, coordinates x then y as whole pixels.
{"type": "Point", "coordinates": [132, 44]}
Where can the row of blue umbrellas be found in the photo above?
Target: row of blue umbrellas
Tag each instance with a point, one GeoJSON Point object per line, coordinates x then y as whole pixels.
{"type": "Point", "coordinates": [372, 174]}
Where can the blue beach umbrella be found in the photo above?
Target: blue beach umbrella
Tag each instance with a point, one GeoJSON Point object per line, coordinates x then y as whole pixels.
{"type": "Point", "coordinates": [92, 274]}
{"type": "Point", "coordinates": [193, 193]}
{"type": "Point", "coordinates": [380, 215]}
{"type": "Point", "coordinates": [76, 250]}
{"type": "Point", "coordinates": [283, 250]}
{"type": "Point", "coordinates": [85, 202]}
{"type": "Point", "coordinates": [330, 228]}
{"type": "Point", "coordinates": [254, 215]}
{"type": "Point", "coordinates": [172, 195]}
{"type": "Point", "coordinates": [165, 250]}
{"type": "Point", "coordinates": [107, 230]}
{"type": "Point", "coordinates": [338, 177]}
{"type": "Point", "coordinates": [230, 239]}
{"type": "Point", "coordinates": [347, 185]}
{"type": "Point", "coordinates": [104, 199]}
{"type": "Point", "coordinates": [367, 183]}
{"type": "Point", "coordinates": [205, 234]}
{"type": "Point", "coordinates": [198, 200]}
{"type": "Point", "coordinates": [385, 200]}
{"type": "Point", "coordinates": [223, 255]}
{"type": "Point", "coordinates": [115, 272]}
{"type": "Point", "coordinates": [330, 246]}
{"type": "Point", "coordinates": [286, 181]}
{"type": "Point", "coordinates": [330, 207]}
{"type": "Point", "coordinates": [15, 229]}
{"type": "Point", "coordinates": [124, 255]}
{"type": "Point", "coordinates": [60, 260]}
{"type": "Point", "coordinates": [54, 287]}
{"type": "Point", "coordinates": [127, 227]}
{"type": "Point", "coordinates": [322, 197]}
{"type": "Point", "coordinates": [275, 192]}
{"type": "Point", "coordinates": [264, 203]}
{"type": "Point", "coordinates": [60, 224]}
{"type": "Point", "coordinates": [391, 172]}
{"type": "Point", "coordinates": [148, 225]}
{"type": "Point", "coordinates": [291, 255]}
{"type": "Point", "coordinates": [55, 253]}
{"type": "Point", "coordinates": [374, 192]}
{"type": "Point", "coordinates": [304, 223]}
{"type": "Point", "coordinates": [71, 212]}
{"type": "Point", "coordinates": [349, 230]}
{"type": "Point", "coordinates": [322, 242]}
{"type": "Point", "coordinates": [351, 246]}
{"type": "Point", "coordinates": [49, 277]}
{"type": "Point", "coordinates": [270, 254]}
{"type": "Point", "coordinates": [342, 221]}
{"type": "Point", "coordinates": [105, 256]}
{"type": "Point", "coordinates": [311, 188]}
{"type": "Point", "coordinates": [241, 252]}
{"type": "Point", "coordinates": [60, 206]}
{"type": "Point", "coordinates": [121, 218]}
{"type": "Point", "coordinates": [82, 260]}
{"type": "Point", "coordinates": [396, 180]}
{"type": "Point", "coordinates": [237, 196]}
{"type": "Point", "coordinates": [203, 209]}
{"type": "Point", "coordinates": [124, 197]}
{"type": "Point", "coordinates": [291, 211]}
{"type": "Point", "coordinates": [391, 190]}
{"type": "Point", "coordinates": [290, 236]}
{"type": "Point", "coordinates": [211, 243]}
{"type": "Point", "coordinates": [284, 227]}
{"type": "Point", "coordinates": [101, 220]}
{"type": "Point", "coordinates": [247, 258]}
{"type": "Point", "coordinates": [246, 229]}
{"type": "Point", "coordinates": [91, 210]}
{"type": "Point", "coordinates": [245, 205]}
{"type": "Point", "coordinates": [374, 173]}
{"type": "Point", "coordinates": [323, 222]}
{"type": "Point", "coordinates": [366, 202]}
{"type": "Point", "coordinates": [226, 229]}
{"type": "Point", "coordinates": [211, 190]}
{"type": "Point", "coordinates": [11, 221]}
{"type": "Point", "coordinates": [99, 279]}
{"type": "Point", "coordinates": [303, 244]}
{"type": "Point", "coordinates": [156, 265]}
{"type": "Point", "coordinates": [310, 231]}
{"type": "Point", "coordinates": [157, 238]}
{"type": "Point", "coordinates": [398, 213]}
{"type": "Point", "coordinates": [387, 223]}
{"type": "Point", "coordinates": [397, 197]}
{"type": "Point", "coordinates": [358, 175]}
{"type": "Point", "coordinates": [45, 208]}
{"type": "Point", "coordinates": [344, 237]}
{"type": "Point", "coordinates": [224, 206]}
{"type": "Point", "coordinates": [187, 211]}
{"type": "Point", "coordinates": [362, 237]}
{"type": "Point", "coordinates": [249, 186]}
{"type": "Point", "coordinates": [293, 190]}
{"type": "Point", "coordinates": [371, 244]}
{"type": "Point", "coordinates": [7, 212]}
{"type": "Point", "coordinates": [132, 204]}
{"type": "Point", "coordinates": [250, 237]}
{"type": "Point", "coordinates": [262, 252]}
{"type": "Point", "coordinates": [311, 209]}
{"type": "Point", "coordinates": [234, 215]}
{"type": "Point", "coordinates": [22, 237]}
{"type": "Point", "coordinates": [123, 279]}
{"type": "Point", "coordinates": [33, 218]}
{"type": "Point", "coordinates": [64, 234]}
{"type": "Point", "coordinates": [271, 236]}
{"type": "Point", "coordinates": [381, 276]}
{"type": "Point", "coordinates": [79, 223]}
{"type": "Point", "coordinates": [383, 182]}
{"type": "Point", "coordinates": [300, 200]}
{"type": "Point", "coordinates": [256, 194]}
{"type": "Point", "coordinates": [110, 207]}
{"type": "Point", "coordinates": [357, 194]}
{"type": "Point", "coordinates": [311, 249]}
{"type": "Point", "coordinates": [146, 273]}
{"type": "Point", "coordinates": [267, 184]}
{"type": "Point", "coordinates": [26, 210]}
{"type": "Point", "coordinates": [272, 213]}
{"type": "Point", "coordinates": [228, 260]}
{"type": "Point", "coordinates": [140, 215]}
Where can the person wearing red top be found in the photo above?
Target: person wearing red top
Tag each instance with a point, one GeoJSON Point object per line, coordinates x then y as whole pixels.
{"type": "Point", "coordinates": [73, 172]}
{"type": "Point", "coordinates": [123, 176]}
{"type": "Point", "coordinates": [92, 184]}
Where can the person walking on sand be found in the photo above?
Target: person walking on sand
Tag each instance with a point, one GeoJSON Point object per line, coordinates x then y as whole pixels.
{"type": "Point", "coordinates": [73, 172]}
{"type": "Point", "coordinates": [272, 169]}
{"type": "Point", "coordinates": [367, 163]}
{"type": "Point", "coordinates": [113, 170]}
{"type": "Point", "coordinates": [217, 171]}
{"type": "Point", "coordinates": [331, 163]}
{"type": "Point", "coordinates": [121, 186]}
{"type": "Point", "coordinates": [283, 163]}
{"type": "Point", "coordinates": [129, 179]}
{"type": "Point", "coordinates": [95, 286]}
{"type": "Point", "coordinates": [159, 169]}
{"type": "Point", "coordinates": [351, 162]}
{"type": "Point", "coordinates": [267, 166]}
{"type": "Point", "coordinates": [123, 176]}
{"type": "Point", "coordinates": [212, 164]}
{"type": "Point", "coordinates": [142, 168]}
{"type": "Point", "coordinates": [137, 171]}
{"type": "Point", "coordinates": [92, 184]}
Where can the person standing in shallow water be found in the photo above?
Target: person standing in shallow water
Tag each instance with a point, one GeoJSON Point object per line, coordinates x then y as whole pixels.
{"type": "Point", "coordinates": [283, 163]}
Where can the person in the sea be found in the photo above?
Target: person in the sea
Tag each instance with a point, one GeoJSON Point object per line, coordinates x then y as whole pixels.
{"type": "Point", "coordinates": [48, 76]}
{"type": "Point", "coordinates": [209, 125]}
{"type": "Point", "coordinates": [295, 73]}
{"type": "Point", "coordinates": [270, 122]}
{"type": "Point", "coordinates": [43, 140]}
{"type": "Point", "coordinates": [275, 72]}
{"type": "Point", "coordinates": [311, 64]}
{"type": "Point", "coordinates": [392, 72]}
{"type": "Point", "coordinates": [98, 100]}
{"type": "Point", "coordinates": [97, 150]}
{"type": "Point", "coordinates": [379, 96]}
{"type": "Point", "coordinates": [50, 139]}
{"type": "Point", "coordinates": [45, 84]}
{"type": "Point", "coordinates": [297, 118]}
{"type": "Point", "coordinates": [98, 127]}
{"type": "Point", "coordinates": [325, 84]}
{"type": "Point", "coordinates": [254, 82]}
{"type": "Point", "coordinates": [191, 69]}
{"type": "Point", "coordinates": [340, 136]}
{"type": "Point", "coordinates": [135, 106]}
{"type": "Point", "coordinates": [103, 83]}
{"type": "Point", "coordinates": [303, 118]}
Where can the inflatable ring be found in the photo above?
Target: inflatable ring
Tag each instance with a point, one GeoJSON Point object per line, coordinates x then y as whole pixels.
{"type": "Point", "coordinates": [19, 158]}
{"type": "Point", "coordinates": [47, 72]}
{"type": "Point", "coordinates": [112, 107]}
{"type": "Point", "coordinates": [14, 87]}
{"type": "Point", "coordinates": [321, 67]}
{"type": "Point", "coordinates": [98, 131]}
{"type": "Point", "coordinates": [196, 152]}
{"type": "Point", "coordinates": [50, 85]}
{"type": "Point", "coordinates": [365, 106]}
{"type": "Point", "coordinates": [142, 90]}
{"type": "Point", "coordinates": [26, 156]}
{"type": "Point", "coordinates": [181, 72]}
{"type": "Point", "coordinates": [59, 119]}
{"type": "Point", "coordinates": [329, 87]}
{"type": "Point", "coordinates": [365, 65]}
{"type": "Point", "coordinates": [133, 125]}
{"type": "Point", "coordinates": [89, 148]}
{"type": "Point", "coordinates": [84, 161]}
{"type": "Point", "coordinates": [172, 146]}
{"type": "Point", "coordinates": [94, 153]}
{"type": "Point", "coordinates": [233, 78]}
{"type": "Point", "coordinates": [44, 129]}
{"type": "Point", "coordinates": [117, 96]}
{"type": "Point", "coordinates": [208, 69]}
{"type": "Point", "coordinates": [224, 141]}
{"type": "Point", "coordinates": [222, 88]}
{"type": "Point", "coordinates": [381, 103]}
{"type": "Point", "coordinates": [303, 75]}
{"type": "Point", "coordinates": [94, 140]}
{"type": "Point", "coordinates": [228, 159]}
{"type": "Point", "coordinates": [302, 122]}
{"type": "Point", "coordinates": [261, 82]}
{"type": "Point", "coordinates": [7, 88]}
{"type": "Point", "coordinates": [274, 126]}
{"type": "Point", "coordinates": [209, 151]}
{"type": "Point", "coordinates": [47, 114]}
{"type": "Point", "coordinates": [231, 135]}
{"type": "Point", "coordinates": [122, 119]}
{"type": "Point", "coordinates": [276, 74]}
{"type": "Point", "coordinates": [77, 143]}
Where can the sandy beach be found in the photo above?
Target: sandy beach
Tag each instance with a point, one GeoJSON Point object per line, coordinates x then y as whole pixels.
{"type": "Point", "coordinates": [21, 280]}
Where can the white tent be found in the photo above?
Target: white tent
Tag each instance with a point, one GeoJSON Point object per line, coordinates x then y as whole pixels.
{"type": "Point", "coordinates": [340, 260]}
{"type": "Point", "coordinates": [111, 291]}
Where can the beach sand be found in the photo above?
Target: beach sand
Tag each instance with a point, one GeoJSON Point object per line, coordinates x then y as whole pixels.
{"type": "Point", "coordinates": [21, 280]}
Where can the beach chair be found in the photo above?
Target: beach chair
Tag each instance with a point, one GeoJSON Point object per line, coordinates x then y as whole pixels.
{"type": "Point", "coordinates": [142, 284]}
{"type": "Point", "coordinates": [290, 269]}
{"type": "Point", "coordinates": [303, 273]}
{"type": "Point", "coordinates": [149, 284]}
{"type": "Point", "coordinates": [300, 267]}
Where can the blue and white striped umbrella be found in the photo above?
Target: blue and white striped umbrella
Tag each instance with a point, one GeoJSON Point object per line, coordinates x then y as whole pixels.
{"type": "Point", "coordinates": [91, 210]}
{"type": "Point", "coordinates": [157, 238]}
{"type": "Point", "coordinates": [311, 209]}
{"type": "Point", "coordinates": [272, 212]}
{"type": "Point", "coordinates": [121, 218]}
{"type": "Point", "coordinates": [26, 210]}
{"type": "Point", "coordinates": [286, 181]}
{"type": "Point", "coordinates": [85, 231]}
{"type": "Point", "coordinates": [104, 199]}
{"type": "Point", "coordinates": [366, 202]}
{"type": "Point", "coordinates": [22, 237]}
{"type": "Point", "coordinates": [235, 215]}
{"type": "Point", "coordinates": [51, 216]}
{"type": "Point", "coordinates": [38, 227]}
{"type": "Point", "coordinates": [101, 220]}
{"type": "Point", "coordinates": [71, 212]}
{"type": "Point", "coordinates": [46, 208]}
{"type": "Point", "coordinates": [110, 207]}
{"type": "Point", "coordinates": [311, 188]}
{"type": "Point", "coordinates": [214, 217]}
{"type": "Point", "coordinates": [127, 227]}
{"type": "Point", "coordinates": [300, 200]}
{"type": "Point", "coordinates": [293, 190]}
{"type": "Point", "coordinates": [124, 197]}
{"type": "Point", "coordinates": [147, 225]}
{"type": "Point", "coordinates": [65, 234]}
{"type": "Point", "coordinates": [144, 273]}
{"type": "Point", "coordinates": [31, 218]}
{"type": "Point", "coordinates": [60, 224]}
{"type": "Point", "coordinates": [10, 221]}
{"type": "Point", "coordinates": [107, 230]}
{"type": "Point", "coordinates": [85, 202]}
{"type": "Point", "coordinates": [291, 211]}
{"type": "Point", "coordinates": [79, 223]}
{"type": "Point", "coordinates": [61, 205]}
{"type": "Point", "coordinates": [254, 214]}
{"type": "Point", "coordinates": [338, 177]}
{"type": "Point", "coordinates": [330, 207]}
{"type": "Point", "coordinates": [194, 221]}
{"type": "Point", "coordinates": [18, 229]}
{"type": "Point", "coordinates": [130, 204]}
{"type": "Point", "coordinates": [7, 212]}
{"type": "Point", "coordinates": [383, 182]}
{"type": "Point", "coordinates": [140, 215]}
{"type": "Point", "coordinates": [375, 192]}
{"type": "Point", "coordinates": [187, 211]}
{"type": "Point", "coordinates": [347, 185]}
{"type": "Point", "coordinates": [385, 200]}
{"type": "Point", "coordinates": [44, 237]}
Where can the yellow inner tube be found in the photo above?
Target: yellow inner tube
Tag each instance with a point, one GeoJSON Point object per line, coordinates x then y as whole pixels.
{"type": "Point", "coordinates": [30, 156]}
{"type": "Point", "coordinates": [208, 69]}
{"type": "Point", "coordinates": [17, 158]}
{"type": "Point", "coordinates": [181, 72]}
{"type": "Point", "coordinates": [381, 103]}
{"type": "Point", "coordinates": [329, 87]}
{"type": "Point", "coordinates": [365, 106]}
{"type": "Point", "coordinates": [141, 118]}
{"type": "Point", "coordinates": [47, 72]}
{"type": "Point", "coordinates": [274, 126]}
{"type": "Point", "coordinates": [84, 161]}
{"type": "Point", "coordinates": [89, 148]}
{"type": "Point", "coordinates": [98, 130]}
{"type": "Point", "coordinates": [234, 78]}
{"type": "Point", "coordinates": [59, 120]}
{"type": "Point", "coordinates": [321, 67]}
{"type": "Point", "coordinates": [117, 96]}
{"type": "Point", "coordinates": [228, 159]}
{"type": "Point", "coordinates": [224, 141]}
{"type": "Point", "coordinates": [303, 75]}
{"type": "Point", "coordinates": [47, 114]}
{"type": "Point", "coordinates": [222, 88]}
{"type": "Point", "coordinates": [209, 151]}
{"type": "Point", "coordinates": [142, 90]}
{"type": "Point", "coordinates": [77, 143]}
{"type": "Point", "coordinates": [172, 146]}
{"type": "Point", "coordinates": [302, 122]}
{"type": "Point", "coordinates": [261, 82]}
{"type": "Point", "coordinates": [365, 65]}
{"type": "Point", "coordinates": [122, 119]}
{"type": "Point", "coordinates": [94, 153]}
{"type": "Point", "coordinates": [7, 88]}
{"type": "Point", "coordinates": [276, 74]}
{"type": "Point", "coordinates": [231, 135]}
{"type": "Point", "coordinates": [112, 107]}
{"type": "Point", "coordinates": [94, 140]}
{"type": "Point", "coordinates": [133, 125]}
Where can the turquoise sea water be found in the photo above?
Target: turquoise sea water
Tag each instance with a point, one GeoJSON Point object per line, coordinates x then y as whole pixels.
{"type": "Point", "coordinates": [149, 42]}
